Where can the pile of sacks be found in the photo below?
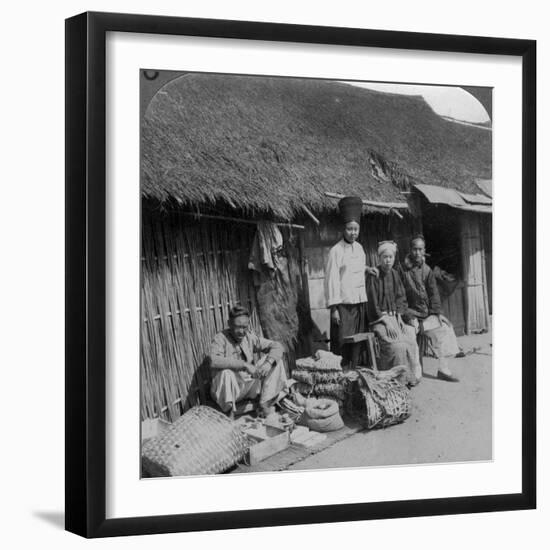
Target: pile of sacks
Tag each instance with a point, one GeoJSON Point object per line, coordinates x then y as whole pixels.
{"type": "Point", "coordinates": [320, 376]}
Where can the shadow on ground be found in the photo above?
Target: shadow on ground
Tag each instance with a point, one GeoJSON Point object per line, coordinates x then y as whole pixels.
{"type": "Point", "coordinates": [57, 519]}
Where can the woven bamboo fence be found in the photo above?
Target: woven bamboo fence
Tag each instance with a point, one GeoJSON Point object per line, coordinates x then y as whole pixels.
{"type": "Point", "coordinates": [192, 274]}
{"type": "Point", "coordinates": [475, 275]}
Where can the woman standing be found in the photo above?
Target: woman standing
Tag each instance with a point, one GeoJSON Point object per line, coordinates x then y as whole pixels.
{"type": "Point", "coordinates": [387, 310]}
{"type": "Point", "coordinates": [345, 289]}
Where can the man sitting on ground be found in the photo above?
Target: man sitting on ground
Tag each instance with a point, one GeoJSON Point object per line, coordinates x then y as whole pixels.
{"type": "Point", "coordinates": [245, 366]}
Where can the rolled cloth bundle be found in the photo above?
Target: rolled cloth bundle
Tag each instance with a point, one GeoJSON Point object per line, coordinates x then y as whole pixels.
{"type": "Point", "coordinates": [313, 377]}
{"type": "Point", "coordinates": [326, 377]}
{"type": "Point", "coordinates": [350, 209]}
{"type": "Point", "coordinates": [303, 376]}
{"type": "Point", "coordinates": [323, 361]}
{"type": "Point", "coordinates": [334, 390]}
{"type": "Point", "coordinates": [320, 376]}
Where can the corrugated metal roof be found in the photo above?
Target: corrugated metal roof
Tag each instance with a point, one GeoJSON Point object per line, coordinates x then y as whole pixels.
{"type": "Point", "coordinates": [475, 199]}
{"type": "Point", "coordinates": [480, 208]}
{"type": "Point", "coordinates": [450, 197]}
{"type": "Point", "coordinates": [486, 186]}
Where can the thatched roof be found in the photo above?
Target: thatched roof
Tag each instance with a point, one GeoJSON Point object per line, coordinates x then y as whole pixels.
{"type": "Point", "coordinates": [274, 145]}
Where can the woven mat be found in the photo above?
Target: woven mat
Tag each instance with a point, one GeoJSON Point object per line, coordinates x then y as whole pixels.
{"type": "Point", "coordinates": [295, 453]}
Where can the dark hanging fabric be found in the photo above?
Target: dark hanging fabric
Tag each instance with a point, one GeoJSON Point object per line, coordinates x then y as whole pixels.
{"type": "Point", "coordinates": [446, 282]}
{"type": "Point", "coordinates": [277, 278]}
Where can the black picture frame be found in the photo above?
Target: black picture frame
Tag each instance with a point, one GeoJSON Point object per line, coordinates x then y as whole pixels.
{"type": "Point", "coordinates": [86, 273]}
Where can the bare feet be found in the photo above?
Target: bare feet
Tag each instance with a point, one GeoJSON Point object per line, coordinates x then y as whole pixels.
{"type": "Point", "coordinates": [266, 410]}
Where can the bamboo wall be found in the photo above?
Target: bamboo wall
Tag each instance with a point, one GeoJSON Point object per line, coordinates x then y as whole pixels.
{"type": "Point", "coordinates": [192, 273]}
{"type": "Point", "coordinates": [452, 307]}
{"type": "Point", "coordinates": [487, 244]}
{"type": "Point", "coordinates": [475, 273]}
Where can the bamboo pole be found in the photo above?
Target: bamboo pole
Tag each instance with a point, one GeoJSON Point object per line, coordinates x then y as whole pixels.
{"type": "Point", "coordinates": [390, 205]}
{"type": "Point", "coordinates": [310, 214]}
{"type": "Point", "coordinates": [238, 220]}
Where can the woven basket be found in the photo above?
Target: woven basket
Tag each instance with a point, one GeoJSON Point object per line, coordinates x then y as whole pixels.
{"type": "Point", "coordinates": [379, 402]}
{"type": "Point", "coordinates": [202, 441]}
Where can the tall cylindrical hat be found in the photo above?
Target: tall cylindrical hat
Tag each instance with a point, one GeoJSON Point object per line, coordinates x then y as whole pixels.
{"type": "Point", "coordinates": [350, 209]}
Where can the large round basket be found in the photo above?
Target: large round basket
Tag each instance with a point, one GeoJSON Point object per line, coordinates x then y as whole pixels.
{"type": "Point", "coordinates": [202, 441]}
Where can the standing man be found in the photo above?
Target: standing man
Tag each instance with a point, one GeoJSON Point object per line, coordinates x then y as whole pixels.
{"type": "Point", "coordinates": [436, 333]}
{"type": "Point", "coordinates": [245, 366]}
{"type": "Point", "coordinates": [345, 291]}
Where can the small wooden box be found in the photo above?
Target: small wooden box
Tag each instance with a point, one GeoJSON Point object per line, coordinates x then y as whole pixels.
{"type": "Point", "coordinates": [264, 445]}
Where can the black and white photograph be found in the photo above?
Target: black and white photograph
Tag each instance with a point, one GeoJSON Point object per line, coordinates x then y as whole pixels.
{"type": "Point", "coordinates": [250, 275]}
{"type": "Point", "coordinates": [316, 273]}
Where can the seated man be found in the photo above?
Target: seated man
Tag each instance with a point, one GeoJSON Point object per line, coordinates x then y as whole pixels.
{"type": "Point", "coordinates": [436, 334]}
{"type": "Point", "coordinates": [243, 366]}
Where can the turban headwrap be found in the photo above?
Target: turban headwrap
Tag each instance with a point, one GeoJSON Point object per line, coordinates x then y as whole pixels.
{"type": "Point", "coordinates": [387, 246]}
{"type": "Point", "coordinates": [350, 209]}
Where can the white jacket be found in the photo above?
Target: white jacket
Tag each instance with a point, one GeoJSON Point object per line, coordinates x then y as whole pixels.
{"type": "Point", "coordinates": [345, 274]}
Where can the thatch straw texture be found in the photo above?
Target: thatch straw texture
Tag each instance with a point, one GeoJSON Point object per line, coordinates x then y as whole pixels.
{"type": "Point", "coordinates": [275, 145]}
{"type": "Point", "coordinates": [192, 273]}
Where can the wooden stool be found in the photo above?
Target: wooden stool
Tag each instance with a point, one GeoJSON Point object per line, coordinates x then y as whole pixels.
{"type": "Point", "coordinates": [356, 341]}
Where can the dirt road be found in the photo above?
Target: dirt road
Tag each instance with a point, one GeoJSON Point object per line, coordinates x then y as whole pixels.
{"type": "Point", "coordinates": [450, 422]}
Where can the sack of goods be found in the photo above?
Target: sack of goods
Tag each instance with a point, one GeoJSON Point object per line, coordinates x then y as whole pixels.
{"type": "Point", "coordinates": [379, 399]}
{"type": "Point", "coordinates": [322, 415]}
{"type": "Point", "coordinates": [202, 441]}
{"type": "Point", "coordinates": [320, 376]}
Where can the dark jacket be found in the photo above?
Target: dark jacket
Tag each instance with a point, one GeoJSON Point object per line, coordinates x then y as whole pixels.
{"type": "Point", "coordinates": [386, 295]}
{"type": "Point", "coordinates": [420, 288]}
